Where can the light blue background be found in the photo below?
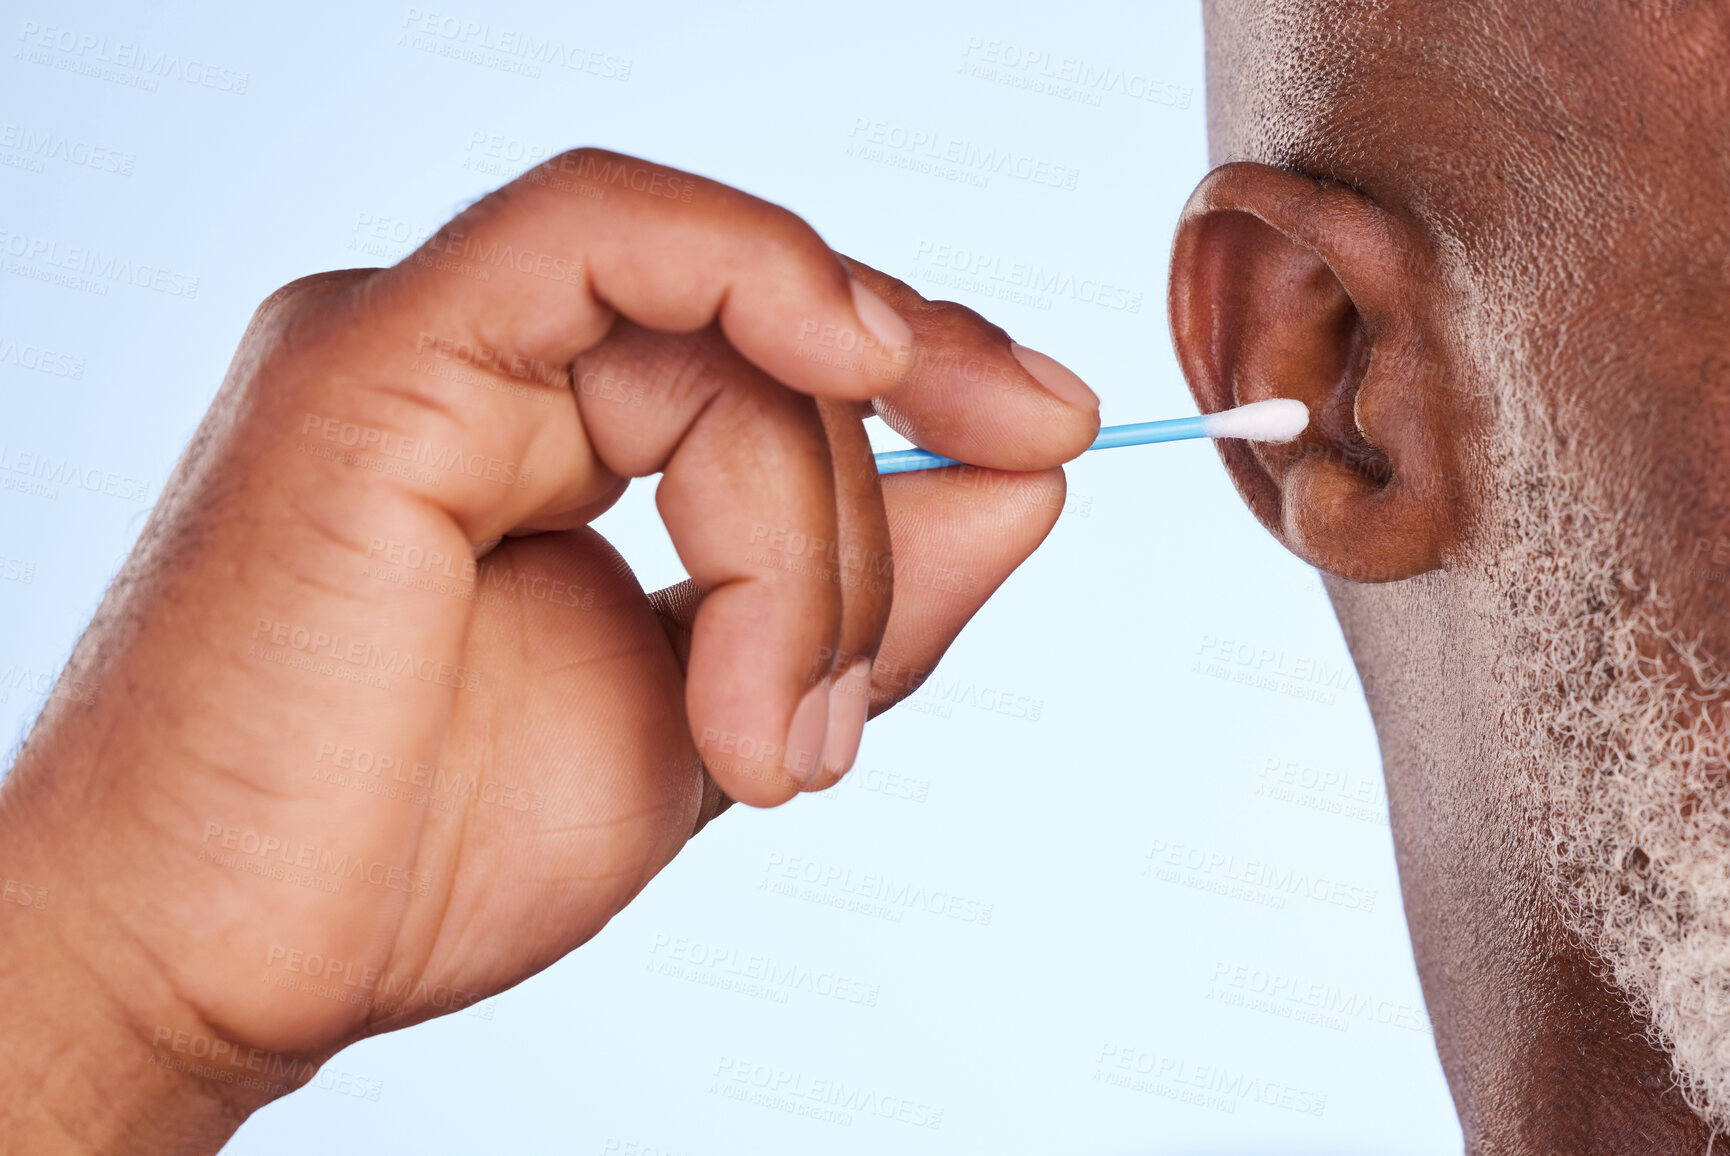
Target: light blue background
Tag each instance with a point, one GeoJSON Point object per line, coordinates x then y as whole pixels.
{"type": "Point", "coordinates": [1195, 700]}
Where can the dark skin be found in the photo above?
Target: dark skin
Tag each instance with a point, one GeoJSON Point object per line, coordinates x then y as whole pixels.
{"type": "Point", "coordinates": [1422, 212]}
{"type": "Point", "coordinates": [374, 559]}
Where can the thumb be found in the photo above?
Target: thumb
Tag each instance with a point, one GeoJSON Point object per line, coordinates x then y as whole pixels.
{"type": "Point", "coordinates": [957, 535]}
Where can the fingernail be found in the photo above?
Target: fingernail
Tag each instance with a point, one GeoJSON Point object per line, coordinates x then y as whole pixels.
{"type": "Point", "coordinates": [1052, 374]}
{"type": "Point", "coordinates": [805, 735]}
{"type": "Point", "coordinates": [849, 703]}
{"type": "Point", "coordinates": [884, 323]}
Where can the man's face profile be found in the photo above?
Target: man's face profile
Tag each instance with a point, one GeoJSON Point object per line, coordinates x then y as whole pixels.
{"type": "Point", "coordinates": [1487, 244]}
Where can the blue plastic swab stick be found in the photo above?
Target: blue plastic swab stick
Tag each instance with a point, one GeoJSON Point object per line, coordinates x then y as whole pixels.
{"type": "Point", "coordinates": [1276, 420]}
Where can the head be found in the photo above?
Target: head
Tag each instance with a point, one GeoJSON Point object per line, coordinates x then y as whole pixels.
{"type": "Point", "coordinates": [1489, 245]}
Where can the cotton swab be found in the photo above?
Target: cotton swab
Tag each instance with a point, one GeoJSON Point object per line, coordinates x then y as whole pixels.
{"type": "Point", "coordinates": [1278, 419]}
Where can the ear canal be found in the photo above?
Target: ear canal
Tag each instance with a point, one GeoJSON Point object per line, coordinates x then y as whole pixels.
{"type": "Point", "coordinates": [1287, 287]}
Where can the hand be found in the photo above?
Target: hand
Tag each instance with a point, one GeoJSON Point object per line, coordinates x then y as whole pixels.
{"type": "Point", "coordinates": [372, 725]}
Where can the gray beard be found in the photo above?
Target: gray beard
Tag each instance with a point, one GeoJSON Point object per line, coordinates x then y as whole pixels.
{"type": "Point", "coordinates": [1619, 723]}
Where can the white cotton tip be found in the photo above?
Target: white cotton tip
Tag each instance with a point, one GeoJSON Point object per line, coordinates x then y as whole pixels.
{"type": "Point", "coordinates": [1278, 419]}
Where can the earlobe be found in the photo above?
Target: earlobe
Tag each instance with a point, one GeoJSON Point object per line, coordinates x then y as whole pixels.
{"type": "Point", "coordinates": [1284, 286]}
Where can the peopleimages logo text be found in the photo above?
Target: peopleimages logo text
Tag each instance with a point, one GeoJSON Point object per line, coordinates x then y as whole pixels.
{"type": "Point", "coordinates": [513, 42]}
{"type": "Point", "coordinates": [66, 472]}
{"type": "Point", "coordinates": [968, 156]}
{"type": "Point", "coordinates": [89, 48]}
{"type": "Point", "coordinates": [95, 263]}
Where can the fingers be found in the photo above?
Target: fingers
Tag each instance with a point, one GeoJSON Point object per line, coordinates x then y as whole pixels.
{"type": "Point", "coordinates": [862, 562]}
{"type": "Point", "coordinates": [566, 272]}
{"type": "Point", "coordinates": [534, 274]}
{"type": "Point", "coordinates": [973, 394]}
{"type": "Point", "coordinates": [643, 396]}
{"type": "Point", "coordinates": [958, 535]}
{"type": "Point", "coordinates": [773, 505]}
{"type": "Point", "coordinates": [541, 266]}
{"type": "Point", "coordinates": [746, 469]}
{"type": "Point", "coordinates": [955, 535]}
{"type": "Point", "coordinates": [676, 608]}
{"type": "Point", "coordinates": [529, 280]}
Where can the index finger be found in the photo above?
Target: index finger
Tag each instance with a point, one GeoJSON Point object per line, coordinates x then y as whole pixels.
{"type": "Point", "coordinates": [539, 268]}
{"type": "Point", "coordinates": [973, 394]}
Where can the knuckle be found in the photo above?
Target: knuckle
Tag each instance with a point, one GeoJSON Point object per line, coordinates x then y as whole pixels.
{"type": "Point", "coordinates": [678, 375]}
{"type": "Point", "coordinates": [478, 212]}
{"type": "Point", "coordinates": [550, 173]}
{"type": "Point", "coordinates": [748, 407]}
{"type": "Point", "coordinates": [691, 372]}
{"type": "Point", "coordinates": [956, 319]}
{"type": "Point", "coordinates": [785, 220]}
{"type": "Point", "coordinates": [277, 311]}
{"type": "Point", "coordinates": [578, 155]}
{"type": "Point", "coordinates": [309, 334]}
{"type": "Point", "coordinates": [785, 233]}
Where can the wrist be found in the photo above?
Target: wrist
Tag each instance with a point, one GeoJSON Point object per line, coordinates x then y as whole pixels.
{"type": "Point", "coordinates": [102, 1053]}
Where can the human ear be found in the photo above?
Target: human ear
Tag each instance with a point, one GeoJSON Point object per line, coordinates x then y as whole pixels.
{"type": "Point", "coordinates": [1286, 286]}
